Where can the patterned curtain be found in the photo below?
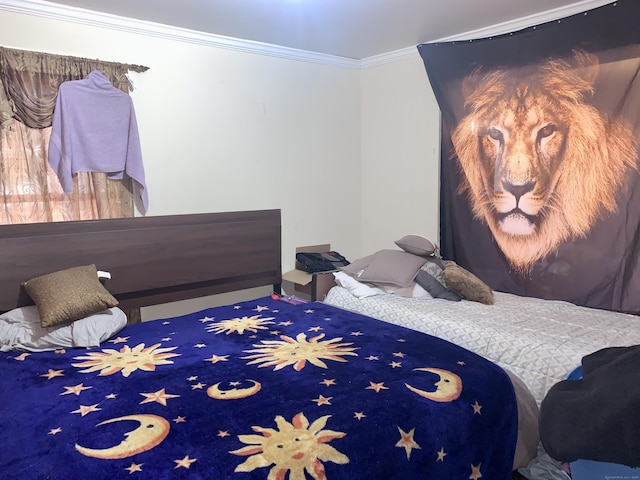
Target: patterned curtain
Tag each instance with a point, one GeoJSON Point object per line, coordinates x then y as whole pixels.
{"type": "Point", "coordinates": [29, 189]}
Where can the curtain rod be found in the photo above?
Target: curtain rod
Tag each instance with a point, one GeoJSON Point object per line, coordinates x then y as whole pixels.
{"type": "Point", "coordinates": [132, 67]}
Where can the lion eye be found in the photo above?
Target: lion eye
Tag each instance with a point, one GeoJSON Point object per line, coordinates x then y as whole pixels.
{"type": "Point", "coordinates": [546, 131]}
{"type": "Point", "coordinates": [495, 133]}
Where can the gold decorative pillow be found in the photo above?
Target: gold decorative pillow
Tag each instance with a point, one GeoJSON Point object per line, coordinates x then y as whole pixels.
{"type": "Point", "coordinates": [69, 295]}
{"type": "Point", "coordinates": [466, 284]}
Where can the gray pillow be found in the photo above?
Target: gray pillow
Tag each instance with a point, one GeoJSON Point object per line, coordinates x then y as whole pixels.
{"type": "Point", "coordinates": [25, 331]}
{"type": "Point", "coordinates": [417, 245]}
{"type": "Point", "coordinates": [430, 277]}
{"type": "Point", "coordinates": [358, 266]}
{"type": "Point", "coordinates": [434, 266]}
{"type": "Point", "coordinates": [435, 288]}
{"type": "Point", "coordinates": [386, 267]}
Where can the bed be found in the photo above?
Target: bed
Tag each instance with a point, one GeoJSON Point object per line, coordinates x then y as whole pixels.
{"type": "Point", "coordinates": [540, 341]}
{"type": "Point", "coordinates": [258, 389]}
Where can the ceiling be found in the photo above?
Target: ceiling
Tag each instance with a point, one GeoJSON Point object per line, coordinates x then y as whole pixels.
{"type": "Point", "coordinates": [346, 28]}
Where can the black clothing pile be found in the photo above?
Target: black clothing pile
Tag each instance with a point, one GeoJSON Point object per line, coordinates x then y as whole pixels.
{"type": "Point", "coordinates": [598, 417]}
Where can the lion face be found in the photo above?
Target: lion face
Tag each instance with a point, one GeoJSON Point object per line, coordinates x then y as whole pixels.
{"type": "Point", "coordinates": [540, 166]}
{"type": "Point", "coordinates": [520, 151]}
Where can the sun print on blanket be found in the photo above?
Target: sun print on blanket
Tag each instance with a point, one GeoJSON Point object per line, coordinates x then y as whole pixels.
{"type": "Point", "coordinates": [126, 360]}
{"type": "Point", "coordinates": [294, 447]}
{"type": "Point", "coordinates": [240, 325]}
{"type": "Point", "coordinates": [298, 351]}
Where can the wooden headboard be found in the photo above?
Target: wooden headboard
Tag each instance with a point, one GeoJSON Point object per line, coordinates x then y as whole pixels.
{"type": "Point", "coordinates": [152, 260]}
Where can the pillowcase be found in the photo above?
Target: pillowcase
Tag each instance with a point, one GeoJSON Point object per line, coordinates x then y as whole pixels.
{"type": "Point", "coordinates": [68, 295]}
{"type": "Point", "coordinates": [434, 266]}
{"type": "Point", "coordinates": [466, 284]}
{"type": "Point", "coordinates": [356, 288]}
{"type": "Point", "coordinates": [434, 287]}
{"type": "Point", "coordinates": [357, 267]}
{"type": "Point", "coordinates": [20, 329]}
{"type": "Point", "coordinates": [386, 267]}
{"type": "Point", "coordinates": [417, 245]}
{"type": "Point", "coordinates": [95, 329]}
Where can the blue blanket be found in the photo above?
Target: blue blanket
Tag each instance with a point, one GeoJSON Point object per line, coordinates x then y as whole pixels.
{"type": "Point", "coordinates": [258, 390]}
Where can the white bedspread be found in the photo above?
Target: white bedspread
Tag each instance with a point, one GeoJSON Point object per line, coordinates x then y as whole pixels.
{"type": "Point", "coordinates": [538, 340]}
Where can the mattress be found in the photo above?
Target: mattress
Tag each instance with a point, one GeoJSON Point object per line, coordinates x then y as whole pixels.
{"type": "Point", "coordinates": [540, 341]}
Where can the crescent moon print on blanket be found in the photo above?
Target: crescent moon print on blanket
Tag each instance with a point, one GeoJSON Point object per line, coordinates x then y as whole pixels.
{"type": "Point", "coordinates": [151, 431]}
{"type": "Point", "coordinates": [234, 393]}
{"type": "Point", "coordinates": [448, 387]}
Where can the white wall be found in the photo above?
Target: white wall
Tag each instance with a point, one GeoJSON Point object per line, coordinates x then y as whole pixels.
{"type": "Point", "coordinates": [225, 130]}
{"type": "Point", "coordinates": [400, 128]}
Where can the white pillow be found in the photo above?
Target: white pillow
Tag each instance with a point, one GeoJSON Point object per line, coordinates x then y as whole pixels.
{"type": "Point", "coordinates": [356, 288]}
{"type": "Point", "coordinates": [20, 328]}
{"type": "Point", "coordinates": [95, 329]}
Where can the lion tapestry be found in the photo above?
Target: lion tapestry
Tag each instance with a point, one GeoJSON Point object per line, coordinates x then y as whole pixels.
{"type": "Point", "coordinates": [540, 170]}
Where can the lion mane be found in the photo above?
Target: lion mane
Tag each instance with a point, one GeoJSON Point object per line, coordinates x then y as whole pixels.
{"type": "Point", "coordinates": [539, 165]}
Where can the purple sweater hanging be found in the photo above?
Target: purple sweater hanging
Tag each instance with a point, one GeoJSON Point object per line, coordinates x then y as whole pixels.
{"type": "Point", "coordinates": [95, 130]}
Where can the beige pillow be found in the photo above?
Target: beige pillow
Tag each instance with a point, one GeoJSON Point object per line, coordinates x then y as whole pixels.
{"type": "Point", "coordinates": [417, 245]}
{"type": "Point", "coordinates": [466, 284]}
{"type": "Point", "coordinates": [387, 267]}
{"type": "Point", "coordinates": [68, 295]}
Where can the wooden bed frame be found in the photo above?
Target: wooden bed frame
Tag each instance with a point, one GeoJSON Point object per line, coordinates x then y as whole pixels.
{"type": "Point", "coordinates": [152, 260]}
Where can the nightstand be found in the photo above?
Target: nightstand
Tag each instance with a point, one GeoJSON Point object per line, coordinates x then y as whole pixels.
{"type": "Point", "coordinates": [314, 286]}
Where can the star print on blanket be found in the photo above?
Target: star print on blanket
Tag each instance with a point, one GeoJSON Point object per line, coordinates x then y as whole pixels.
{"type": "Point", "coordinates": [258, 390]}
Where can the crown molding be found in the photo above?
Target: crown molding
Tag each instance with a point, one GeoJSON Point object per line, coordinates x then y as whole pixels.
{"type": "Point", "coordinates": [490, 31]}
{"type": "Point", "coordinates": [42, 8]}
{"type": "Point", "coordinates": [82, 16]}
{"type": "Point", "coordinates": [390, 57]}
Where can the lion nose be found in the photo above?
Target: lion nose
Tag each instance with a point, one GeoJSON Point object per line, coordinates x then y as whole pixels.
{"type": "Point", "coordinates": [518, 190]}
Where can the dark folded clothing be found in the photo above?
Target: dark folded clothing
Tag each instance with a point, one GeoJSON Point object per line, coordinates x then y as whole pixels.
{"type": "Point", "coordinates": [597, 417]}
